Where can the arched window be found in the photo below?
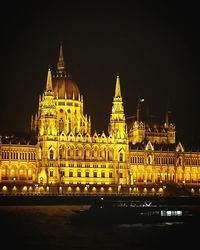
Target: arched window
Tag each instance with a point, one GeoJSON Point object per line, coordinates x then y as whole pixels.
{"type": "Point", "coordinates": [62, 152]}
{"type": "Point", "coordinates": [68, 152]}
{"type": "Point", "coordinates": [110, 154]}
{"type": "Point", "coordinates": [149, 159]}
{"type": "Point", "coordinates": [61, 125]}
{"type": "Point", "coordinates": [121, 157]}
{"type": "Point", "coordinates": [51, 154]}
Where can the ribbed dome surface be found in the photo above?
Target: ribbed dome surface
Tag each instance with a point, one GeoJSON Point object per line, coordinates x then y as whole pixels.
{"type": "Point", "coordinates": [65, 85]}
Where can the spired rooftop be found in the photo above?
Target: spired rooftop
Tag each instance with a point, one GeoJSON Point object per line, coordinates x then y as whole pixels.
{"type": "Point", "coordinates": [68, 158]}
{"type": "Point", "coordinates": [63, 86]}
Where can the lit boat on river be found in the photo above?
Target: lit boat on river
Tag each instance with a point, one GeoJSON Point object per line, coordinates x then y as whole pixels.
{"type": "Point", "coordinates": [128, 212]}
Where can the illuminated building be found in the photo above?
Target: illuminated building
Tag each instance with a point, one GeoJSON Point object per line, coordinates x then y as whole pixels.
{"type": "Point", "coordinates": [67, 156]}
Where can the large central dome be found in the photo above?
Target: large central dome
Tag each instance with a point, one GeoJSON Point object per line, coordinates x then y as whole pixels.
{"type": "Point", "coordinates": [65, 87]}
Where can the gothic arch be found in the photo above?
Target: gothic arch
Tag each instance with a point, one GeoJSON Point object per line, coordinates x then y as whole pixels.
{"type": "Point", "coordinates": [62, 152]}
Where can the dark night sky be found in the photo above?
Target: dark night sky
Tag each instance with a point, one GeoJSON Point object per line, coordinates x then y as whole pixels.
{"type": "Point", "coordinates": [154, 47]}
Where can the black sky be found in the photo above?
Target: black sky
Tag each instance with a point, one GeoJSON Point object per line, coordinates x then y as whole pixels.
{"type": "Point", "coordinates": [154, 47]}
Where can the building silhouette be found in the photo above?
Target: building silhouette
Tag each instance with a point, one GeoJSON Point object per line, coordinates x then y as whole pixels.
{"type": "Point", "coordinates": [63, 156]}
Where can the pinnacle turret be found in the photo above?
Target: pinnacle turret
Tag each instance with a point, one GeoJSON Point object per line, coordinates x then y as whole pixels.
{"type": "Point", "coordinates": [61, 63]}
{"type": "Point", "coordinates": [49, 81]}
{"type": "Point", "coordinates": [117, 87]}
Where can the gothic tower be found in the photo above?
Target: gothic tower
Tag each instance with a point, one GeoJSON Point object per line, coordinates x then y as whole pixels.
{"type": "Point", "coordinates": [60, 115]}
{"type": "Point", "coordinates": [118, 130]}
{"type": "Point", "coordinates": [117, 126]}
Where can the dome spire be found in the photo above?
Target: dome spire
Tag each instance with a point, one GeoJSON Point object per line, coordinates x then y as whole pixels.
{"type": "Point", "coordinates": [49, 81]}
{"type": "Point", "coordinates": [61, 63]}
{"type": "Point", "coordinates": [117, 87]}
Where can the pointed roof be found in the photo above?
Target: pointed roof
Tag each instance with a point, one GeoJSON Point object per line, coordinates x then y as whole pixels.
{"type": "Point", "coordinates": [149, 146]}
{"type": "Point", "coordinates": [61, 63]}
{"type": "Point", "coordinates": [49, 81]}
{"type": "Point", "coordinates": [179, 148]}
{"type": "Point", "coordinates": [117, 87]}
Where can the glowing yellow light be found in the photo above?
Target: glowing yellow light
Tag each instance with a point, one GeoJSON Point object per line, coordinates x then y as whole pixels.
{"type": "Point", "coordinates": [145, 190]}
{"type": "Point", "coordinates": [4, 188]}
{"type": "Point", "coordinates": [69, 189]}
{"type": "Point", "coordinates": [24, 189]}
{"type": "Point", "coordinates": [135, 190]}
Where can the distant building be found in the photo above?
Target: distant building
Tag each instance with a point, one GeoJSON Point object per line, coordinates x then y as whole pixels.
{"type": "Point", "coordinates": [62, 152]}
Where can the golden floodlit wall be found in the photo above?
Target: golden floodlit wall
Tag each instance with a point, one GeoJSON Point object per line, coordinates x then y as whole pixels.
{"type": "Point", "coordinates": [67, 153]}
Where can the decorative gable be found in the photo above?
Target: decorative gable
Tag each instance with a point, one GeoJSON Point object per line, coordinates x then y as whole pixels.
{"type": "Point", "coordinates": [149, 146]}
{"type": "Point", "coordinates": [179, 148]}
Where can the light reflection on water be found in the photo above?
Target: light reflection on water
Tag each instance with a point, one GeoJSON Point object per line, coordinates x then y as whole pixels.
{"type": "Point", "coordinates": [48, 227]}
{"type": "Point", "coordinates": [141, 225]}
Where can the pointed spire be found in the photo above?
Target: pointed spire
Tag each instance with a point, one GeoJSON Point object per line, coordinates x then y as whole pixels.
{"type": "Point", "coordinates": [117, 87]}
{"type": "Point", "coordinates": [49, 81]}
{"type": "Point", "coordinates": [61, 63]}
{"type": "Point", "coordinates": [167, 119]}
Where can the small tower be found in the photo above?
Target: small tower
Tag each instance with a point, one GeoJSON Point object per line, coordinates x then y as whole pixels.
{"type": "Point", "coordinates": [117, 126]}
{"type": "Point", "coordinates": [47, 132]}
{"type": "Point", "coordinates": [49, 88]}
{"type": "Point", "coordinates": [61, 63]}
{"type": "Point", "coordinates": [47, 119]}
{"type": "Point", "coordinates": [118, 130]}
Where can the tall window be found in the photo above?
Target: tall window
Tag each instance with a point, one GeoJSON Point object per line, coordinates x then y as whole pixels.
{"type": "Point", "coordinates": [103, 174]}
{"type": "Point", "coordinates": [62, 152]}
{"type": "Point", "coordinates": [62, 173]}
{"type": "Point", "coordinates": [61, 125]}
{"type": "Point", "coordinates": [121, 157]}
{"type": "Point", "coordinates": [51, 154]}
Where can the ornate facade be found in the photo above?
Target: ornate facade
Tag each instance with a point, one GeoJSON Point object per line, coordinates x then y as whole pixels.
{"type": "Point", "coordinates": [66, 155]}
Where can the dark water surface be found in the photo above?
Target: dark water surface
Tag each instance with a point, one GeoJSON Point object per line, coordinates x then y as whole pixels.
{"type": "Point", "coordinates": [49, 227]}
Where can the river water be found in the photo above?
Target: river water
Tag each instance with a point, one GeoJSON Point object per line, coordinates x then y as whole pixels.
{"type": "Point", "coordinates": [49, 227]}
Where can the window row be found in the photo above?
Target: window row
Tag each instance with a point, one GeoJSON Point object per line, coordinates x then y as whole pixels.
{"type": "Point", "coordinates": [137, 159]}
{"type": "Point", "coordinates": [87, 174]}
{"type": "Point", "coordinates": [164, 160]}
{"type": "Point", "coordinates": [18, 156]}
{"type": "Point", "coordinates": [80, 165]}
{"type": "Point", "coordinates": [86, 154]}
{"type": "Point", "coordinates": [189, 161]}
